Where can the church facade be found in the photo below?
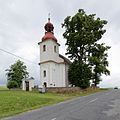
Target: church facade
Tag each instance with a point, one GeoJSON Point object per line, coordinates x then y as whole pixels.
{"type": "Point", "coordinates": [53, 66]}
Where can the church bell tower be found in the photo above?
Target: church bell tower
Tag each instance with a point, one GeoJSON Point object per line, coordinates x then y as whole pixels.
{"type": "Point", "coordinates": [49, 56]}
{"type": "Point", "coordinates": [53, 66]}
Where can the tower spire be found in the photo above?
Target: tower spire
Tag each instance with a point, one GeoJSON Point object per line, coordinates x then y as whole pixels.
{"type": "Point", "coordinates": [49, 34]}
{"type": "Point", "coordinates": [48, 17]}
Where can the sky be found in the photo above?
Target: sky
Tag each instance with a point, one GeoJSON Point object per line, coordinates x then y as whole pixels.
{"type": "Point", "coordinates": [22, 27]}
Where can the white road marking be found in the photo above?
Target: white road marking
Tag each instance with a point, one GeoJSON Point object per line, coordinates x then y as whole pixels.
{"type": "Point", "coordinates": [107, 93]}
{"type": "Point", "coordinates": [53, 119]}
{"type": "Point", "coordinates": [92, 100]}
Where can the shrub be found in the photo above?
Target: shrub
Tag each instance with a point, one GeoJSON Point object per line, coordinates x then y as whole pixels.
{"type": "Point", "coordinates": [12, 84]}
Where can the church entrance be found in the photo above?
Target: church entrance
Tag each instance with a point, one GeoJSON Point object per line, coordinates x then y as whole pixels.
{"type": "Point", "coordinates": [27, 85]}
{"type": "Point", "coordinates": [45, 84]}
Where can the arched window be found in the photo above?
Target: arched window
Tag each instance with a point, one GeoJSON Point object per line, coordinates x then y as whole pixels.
{"type": "Point", "coordinates": [44, 48]}
{"type": "Point", "coordinates": [55, 49]}
{"type": "Point", "coordinates": [44, 73]}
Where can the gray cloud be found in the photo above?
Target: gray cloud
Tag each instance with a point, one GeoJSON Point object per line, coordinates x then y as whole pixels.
{"type": "Point", "coordinates": [22, 22]}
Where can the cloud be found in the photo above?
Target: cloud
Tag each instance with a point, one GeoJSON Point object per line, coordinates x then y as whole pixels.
{"type": "Point", "coordinates": [22, 27]}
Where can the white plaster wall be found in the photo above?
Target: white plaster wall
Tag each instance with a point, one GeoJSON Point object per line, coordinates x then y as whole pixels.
{"type": "Point", "coordinates": [31, 84]}
{"type": "Point", "coordinates": [55, 76]}
{"type": "Point", "coordinates": [49, 54]}
{"type": "Point", "coordinates": [23, 85]}
{"type": "Point", "coordinates": [66, 75]}
{"type": "Point", "coordinates": [62, 76]}
{"type": "Point", "coordinates": [46, 67]}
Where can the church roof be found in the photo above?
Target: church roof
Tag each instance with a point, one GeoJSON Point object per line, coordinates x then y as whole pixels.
{"type": "Point", "coordinates": [66, 60]}
{"type": "Point", "coordinates": [28, 79]}
{"type": "Point", "coordinates": [49, 35]}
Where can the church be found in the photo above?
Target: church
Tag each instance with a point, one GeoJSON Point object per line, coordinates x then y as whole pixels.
{"type": "Point", "coordinates": [53, 66]}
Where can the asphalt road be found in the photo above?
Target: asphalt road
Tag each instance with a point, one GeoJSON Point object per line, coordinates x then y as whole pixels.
{"type": "Point", "coordinates": [99, 106]}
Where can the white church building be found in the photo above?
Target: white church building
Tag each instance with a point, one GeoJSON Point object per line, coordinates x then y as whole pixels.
{"type": "Point", "coordinates": [53, 66]}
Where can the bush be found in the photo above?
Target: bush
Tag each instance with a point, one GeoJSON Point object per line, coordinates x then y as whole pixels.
{"type": "Point", "coordinates": [79, 75]}
{"type": "Point", "coordinates": [12, 84]}
{"type": "Point", "coordinates": [64, 90]}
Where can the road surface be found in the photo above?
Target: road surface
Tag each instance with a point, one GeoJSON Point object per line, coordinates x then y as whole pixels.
{"type": "Point", "coordinates": [99, 106]}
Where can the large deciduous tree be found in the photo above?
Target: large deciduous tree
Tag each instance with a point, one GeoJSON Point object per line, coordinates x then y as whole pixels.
{"type": "Point", "coordinates": [83, 31]}
{"type": "Point", "coordinates": [15, 74]}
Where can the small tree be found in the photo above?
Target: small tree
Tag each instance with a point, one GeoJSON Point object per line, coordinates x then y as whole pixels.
{"type": "Point", "coordinates": [15, 74]}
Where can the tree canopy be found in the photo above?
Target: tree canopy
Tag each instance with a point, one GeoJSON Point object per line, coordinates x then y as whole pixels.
{"type": "Point", "coordinates": [15, 74]}
{"type": "Point", "coordinates": [82, 33]}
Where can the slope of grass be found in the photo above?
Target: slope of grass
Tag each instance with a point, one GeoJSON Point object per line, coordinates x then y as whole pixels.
{"type": "Point", "coordinates": [17, 101]}
{"type": "Point", "coordinates": [13, 102]}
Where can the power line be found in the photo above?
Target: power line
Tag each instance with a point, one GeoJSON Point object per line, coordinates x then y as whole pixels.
{"type": "Point", "coordinates": [17, 56]}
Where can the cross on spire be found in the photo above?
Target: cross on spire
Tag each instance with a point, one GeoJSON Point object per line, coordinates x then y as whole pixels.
{"type": "Point", "coordinates": [49, 17]}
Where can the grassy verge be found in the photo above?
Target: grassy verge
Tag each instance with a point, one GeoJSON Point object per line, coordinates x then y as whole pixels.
{"type": "Point", "coordinates": [3, 88]}
{"type": "Point", "coordinates": [16, 101]}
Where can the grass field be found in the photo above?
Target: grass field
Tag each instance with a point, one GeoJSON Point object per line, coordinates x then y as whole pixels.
{"type": "Point", "coordinates": [17, 101]}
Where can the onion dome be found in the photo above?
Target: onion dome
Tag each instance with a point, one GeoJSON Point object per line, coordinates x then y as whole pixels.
{"type": "Point", "coordinates": [49, 34]}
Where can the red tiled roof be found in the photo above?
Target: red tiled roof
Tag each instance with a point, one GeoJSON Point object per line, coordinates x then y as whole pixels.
{"type": "Point", "coordinates": [49, 35]}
